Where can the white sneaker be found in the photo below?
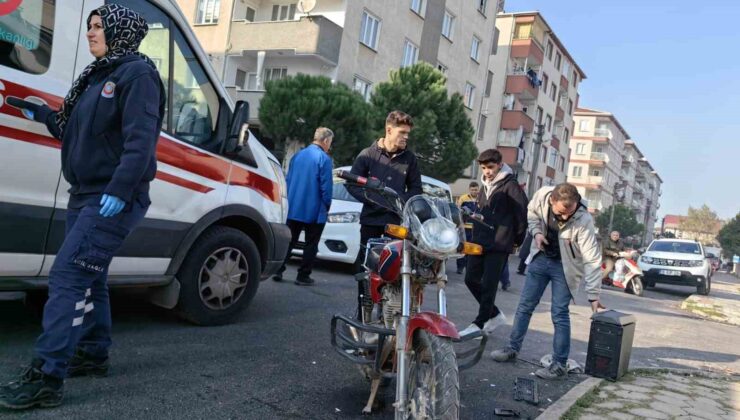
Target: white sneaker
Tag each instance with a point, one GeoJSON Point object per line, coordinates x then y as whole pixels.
{"type": "Point", "coordinates": [472, 328]}
{"type": "Point", "coordinates": [494, 323]}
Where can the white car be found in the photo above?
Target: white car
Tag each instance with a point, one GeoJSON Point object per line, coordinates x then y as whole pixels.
{"type": "Point", "coordinates": [677, 261]}
{"type": "Point", "coordinates": [340, 240]}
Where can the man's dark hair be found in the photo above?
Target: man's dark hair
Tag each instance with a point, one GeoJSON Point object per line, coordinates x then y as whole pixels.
{"type": "Point", "coordinates": [490, 155]}
{"type": "Point", "coordinates": [396, 118]}
{"type": "Point", "coordinates": [566, 194]}
{"type": "Point", "coordinates": [473, 184]}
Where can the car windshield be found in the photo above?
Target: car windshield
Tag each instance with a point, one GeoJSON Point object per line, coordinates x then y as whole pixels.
{"type": "Point", "coordinates": [680, 247]}
{"type": "Point", "coordinates": [340, 193]}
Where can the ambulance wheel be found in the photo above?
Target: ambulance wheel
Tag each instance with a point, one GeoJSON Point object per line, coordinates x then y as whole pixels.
{"type": "Point", "coordinates": [219, 277]}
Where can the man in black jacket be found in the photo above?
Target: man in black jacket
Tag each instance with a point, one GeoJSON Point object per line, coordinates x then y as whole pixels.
{"type": "Point", "coordinates": [389, 161]}
{"type": "Point", "coordinates": [611, 249]}
{"type": "Point", "coordinates": [503, 205]}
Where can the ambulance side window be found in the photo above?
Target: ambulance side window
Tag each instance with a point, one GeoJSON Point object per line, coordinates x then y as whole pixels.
{"type": "Point", "coordinates": [26, 35]}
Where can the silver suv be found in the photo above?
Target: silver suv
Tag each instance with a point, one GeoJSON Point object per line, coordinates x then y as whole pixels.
{"type": "Point", "coordinates": [677, 261]}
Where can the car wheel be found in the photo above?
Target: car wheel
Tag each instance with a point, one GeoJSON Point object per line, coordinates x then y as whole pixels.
{"type": "Point", "coordinates": [220, 276]}
{"type": "Point", "coordinates": [704, 287]}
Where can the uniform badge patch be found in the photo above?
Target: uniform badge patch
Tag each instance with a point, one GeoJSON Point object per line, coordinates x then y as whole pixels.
{"type": "Point", "coordinates": [108, 90]}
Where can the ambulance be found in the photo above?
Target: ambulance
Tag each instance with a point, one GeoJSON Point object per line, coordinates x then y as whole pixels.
{"type": "Point", "coordinates": [216, 225]}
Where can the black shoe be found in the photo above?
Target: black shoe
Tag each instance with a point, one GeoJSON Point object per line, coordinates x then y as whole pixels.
{"type": "Point", "coordinates": [459, 271]}
{"type": "Point", "coordinates": [33, 388]}
{"type": "Point", "coordinates": [83, 364]}
{"type": "Point", "coordinates": [305, 281]}
{"type": "Point", "coordinates": [277, 277]}
{"type": "Point", "coordinates": [521, 273]}
{"type": "Point", "coordinates": [505, 287]}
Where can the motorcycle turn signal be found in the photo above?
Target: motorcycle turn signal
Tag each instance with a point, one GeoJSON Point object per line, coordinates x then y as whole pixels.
{"type": "Point", "coordinates": [469, 248]}
{"type": "Point", "coordinates": [396, 231]}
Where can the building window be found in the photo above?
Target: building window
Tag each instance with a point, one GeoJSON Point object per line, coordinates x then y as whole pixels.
{"type": "Point", "coordinates": [553, 91]}
{"type": "Point", "coordinates": [545, 82]}
{"type": "Point", "coordinates": [538, 115]}
{"type": "Point", "coordinates": [489, 82]}
{"type": "Point", "coordinates": [548, 123]}
{"type": "Point", "coordinates": [469, 97]}
{"type": "Point", "coordinates": [410, 54]}
{"type": "Point", "coordinates": [570, 107]}
{"type": "Point", "coordinates": [475, 48]}
{"type": "Point", "coordinates": [595, 172]}
{"type": "Point", "coordinates": [241, 78]}
{"type": "Point", "coordinates": [575, 78]}
{"type": "Point", "coordinates": [566, 68]}
{"type": "Point", "coordinates": [363, 87]}
{"type": "Point", "coordinates": [539, 182]}
{"type": "Point", "coordinates": [544, 154]}
{"type": "Point", "coordinates": [481, 127]}
{"type": "Point", "coordinates": [562, 164]}
{"type": "Point", "coordinates": [581, 149]}
{"type": "Point", "coordinates": [558, 59]}
{"type": "Point", "coordinates": [549, 50]}
{"type": "Point", "coordinates": [419, 7]}
{"type": "Point", "coordinates": [252, 81]}
{"type": "Point", "coordinates": [553, 158]}
{"type": "Point", "coordinates": [275, 74]}
{"type": "Point", "coordinates": [369, 30]}
{"type": "Point", "coordinates": [207, 12]}
{"type": "Point", "coordinates": [448, 25]}
{"type": "Point", "coordinates": [566, 135]}
{"type": "Point", "coordinates": [442, 68]}
{"type": "Point", "coordinates": [482, 4]}
{"type": "Point", "coordinates": [494, 44]}
{"type": "Point", "coordinates": [577, 171]}
{"type": "Point", "coordinates": [583, 125]}
{"type": "Point", "coordinates": [283, 12]}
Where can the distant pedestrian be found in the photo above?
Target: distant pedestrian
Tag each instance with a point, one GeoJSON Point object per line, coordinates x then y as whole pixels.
{"type": "Point", "coordinates": [503, 207]}
{"type": "Point", "coordinates": [611, 249]}
{"type": "Point", "coordinates": [564, 252]}
{"type": "Point", "coordinates": [310, 187]}
{"type": "Point", "coordinates": [470, 202]}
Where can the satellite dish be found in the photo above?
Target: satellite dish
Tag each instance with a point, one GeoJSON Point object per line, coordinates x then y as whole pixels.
{"type": "Point", "coordinates": [305, 6]}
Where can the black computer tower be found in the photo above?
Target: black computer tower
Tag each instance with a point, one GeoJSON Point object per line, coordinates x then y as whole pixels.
{"type": "Point", "coordinates": [610, 344]}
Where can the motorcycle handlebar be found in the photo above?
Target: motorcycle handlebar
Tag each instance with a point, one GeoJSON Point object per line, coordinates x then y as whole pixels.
{"type": "Point", "coordinates": [370, 183]}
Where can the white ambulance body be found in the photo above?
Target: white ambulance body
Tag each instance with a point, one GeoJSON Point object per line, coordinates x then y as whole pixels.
{"type": "Point", "coordinates": [216, 223]}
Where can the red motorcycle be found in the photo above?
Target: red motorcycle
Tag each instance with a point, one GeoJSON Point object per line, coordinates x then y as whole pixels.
{"type": "Point", "coordinates": [390, 336]}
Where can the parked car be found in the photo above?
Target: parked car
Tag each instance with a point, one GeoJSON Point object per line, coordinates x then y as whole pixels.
{"type": "Point", "coordinates": [677, 261]}
{"type": "Point", "coordinates": [340, 240]}
{"type": "Point", "coordinates": [218, 201]}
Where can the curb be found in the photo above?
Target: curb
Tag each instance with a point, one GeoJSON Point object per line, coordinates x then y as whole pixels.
{"type": "Point", "coordinates": [561, 406]}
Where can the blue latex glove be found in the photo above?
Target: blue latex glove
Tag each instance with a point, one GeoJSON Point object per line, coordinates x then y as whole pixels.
{"type": "Point", "coordinates": [112, 205]}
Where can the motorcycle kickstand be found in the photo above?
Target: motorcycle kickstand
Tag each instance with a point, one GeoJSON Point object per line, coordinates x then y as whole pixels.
{"type": "Point", "coordinates": [373, 393]}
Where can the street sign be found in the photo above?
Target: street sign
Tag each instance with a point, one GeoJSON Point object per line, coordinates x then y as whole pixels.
{"type": "Point", "coordinates": [736, 259]}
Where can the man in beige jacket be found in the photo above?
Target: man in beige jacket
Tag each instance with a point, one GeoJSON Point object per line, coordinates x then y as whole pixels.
{"type": "Point", "coordinates": [564, 252]}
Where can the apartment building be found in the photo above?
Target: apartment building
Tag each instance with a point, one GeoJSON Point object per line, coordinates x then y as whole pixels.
{"type": "Point", "coordinates": [356, 42]}
{"type": "Point", "coordinates": [534, 85]}
{"type": "Point", "coordinates": [596, 157]}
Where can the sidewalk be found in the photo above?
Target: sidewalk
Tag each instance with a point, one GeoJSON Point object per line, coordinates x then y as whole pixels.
{"type": "Point", "coordinates": [661, 395]}
{"type": "Point", "coordinates": [723, 302]}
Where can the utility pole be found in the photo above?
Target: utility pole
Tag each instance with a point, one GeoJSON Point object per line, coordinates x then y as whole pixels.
{"type": "Point", "coordinates": [617, 186]}
{"type": "Point", "coordinates": [535, 159]}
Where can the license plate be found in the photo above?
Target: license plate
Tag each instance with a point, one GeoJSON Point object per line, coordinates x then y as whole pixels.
{"type": "Point", "coordinates": [670, 273]}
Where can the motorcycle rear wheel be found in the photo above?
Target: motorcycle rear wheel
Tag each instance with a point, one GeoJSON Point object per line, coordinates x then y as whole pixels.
{"type": "Point", "coordinates": [433, 385]}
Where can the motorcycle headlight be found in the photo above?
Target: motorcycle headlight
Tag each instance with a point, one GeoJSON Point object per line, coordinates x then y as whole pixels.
{"type": "Point", "coordinates": [646, 259]}
{"type": "Point", "coordinates": [439, 235]}
{"type": "Point", "coordinates": [348, 217]}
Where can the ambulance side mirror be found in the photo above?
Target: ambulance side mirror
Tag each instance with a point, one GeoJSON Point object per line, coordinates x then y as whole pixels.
{"type": "Point", "coordinates": [238, 132]}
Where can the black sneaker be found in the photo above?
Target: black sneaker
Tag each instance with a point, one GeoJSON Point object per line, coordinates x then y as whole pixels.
{"type": "Point", "coordinates": [83, 364]}
{"type": "Point", "coordinates": [33, 388]}
{"type": "Point", "coordinates": [305, 281]}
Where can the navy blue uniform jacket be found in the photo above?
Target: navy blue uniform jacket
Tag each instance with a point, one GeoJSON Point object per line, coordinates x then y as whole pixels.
{"type": "Point", "coordinates": [109, 143]}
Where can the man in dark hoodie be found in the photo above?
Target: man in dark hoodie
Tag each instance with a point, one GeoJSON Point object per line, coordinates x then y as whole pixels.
{"type": "Point", "coordinates": [503, 206]}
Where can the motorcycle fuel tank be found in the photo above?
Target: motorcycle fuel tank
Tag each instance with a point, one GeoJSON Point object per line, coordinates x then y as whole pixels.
{"type": "Point", "coordinates": [389, 264]}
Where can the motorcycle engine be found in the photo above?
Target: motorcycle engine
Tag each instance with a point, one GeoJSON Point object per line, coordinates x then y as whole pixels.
{"type": "Point", "coordinates": [392, 302]}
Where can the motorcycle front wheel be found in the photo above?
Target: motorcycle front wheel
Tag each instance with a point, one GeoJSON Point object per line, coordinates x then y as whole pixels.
{"type": "Point", "coordinates": [433, 385]}
{"type": "Point", "coordinates": [635, 287]}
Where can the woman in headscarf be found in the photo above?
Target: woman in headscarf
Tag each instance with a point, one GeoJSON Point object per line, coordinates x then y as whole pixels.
{"type": "Point", "coordinates": [109, 124]}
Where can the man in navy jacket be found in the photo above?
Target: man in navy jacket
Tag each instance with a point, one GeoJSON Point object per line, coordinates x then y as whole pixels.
{"type": "Point", "coordinates": [309, 198]}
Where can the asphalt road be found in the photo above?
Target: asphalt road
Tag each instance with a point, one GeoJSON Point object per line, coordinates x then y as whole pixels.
{"type": "Point", "coordinates": [276, 361]}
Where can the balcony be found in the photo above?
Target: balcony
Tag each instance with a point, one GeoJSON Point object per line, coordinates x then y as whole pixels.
{"type": "Point", "coordinates": [639, 175]}
{"type": "Point", "coordinates": [513, 119]}
{"type": "Point", "coordinates": [559, 113]}
{"type": "Point", "coordinates": [252, 97]}
{"type": "Point", "coordinates": [601, 157]}
{"type": "Point", "coordinates": [555, 142]}
{"type": "Point", "coordinates": [522, 84]}
{"type": "Point", "coordinates": [564, 83]}
{"type": "Point", "coordinates": [509, 138]}
{"type": "Point", "coordinates": [603, 132]}
{"type": "Point", "coordinates": [315, 35]}
{"type": "Point", "coordinates": [528, 48]}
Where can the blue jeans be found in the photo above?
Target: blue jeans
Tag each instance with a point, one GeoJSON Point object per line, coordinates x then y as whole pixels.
{"type": "Point", "coordinates": [540, 272]}
{"type": "Point", "coordinates": [77, 313]}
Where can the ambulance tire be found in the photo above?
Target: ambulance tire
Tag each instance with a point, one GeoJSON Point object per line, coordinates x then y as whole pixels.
{"type": "Point", "coordinates": [199, 306]}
